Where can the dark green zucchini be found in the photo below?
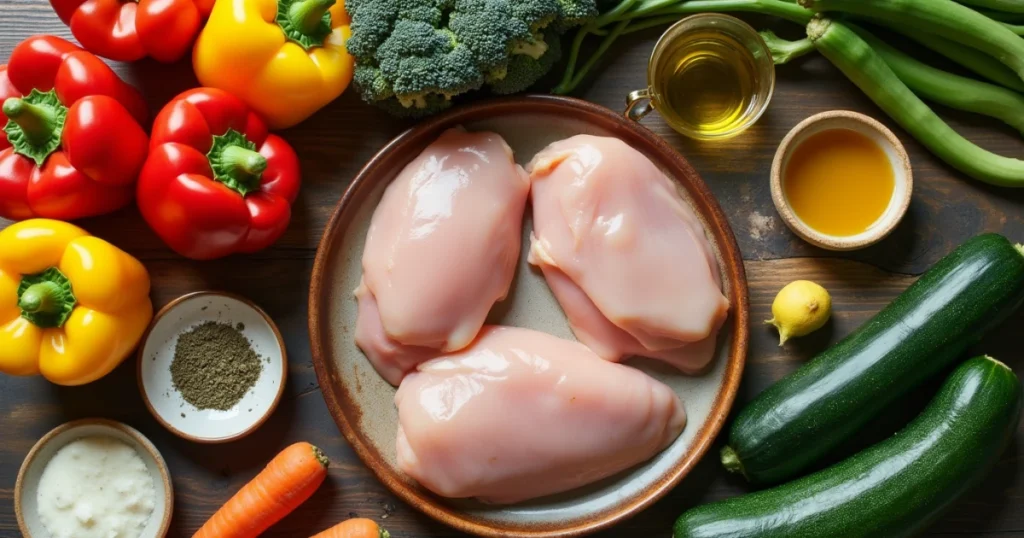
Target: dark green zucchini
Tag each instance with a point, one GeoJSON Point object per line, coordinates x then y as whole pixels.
{"type": "Point", "coordinates": [795, 422]}
{"type": "Point", "coordinates": [893, 489]}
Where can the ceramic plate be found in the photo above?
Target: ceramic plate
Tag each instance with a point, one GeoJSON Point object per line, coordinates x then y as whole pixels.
{"type": "Point", "coordinates": [361, 402]}
{"type": "Point", "coordinates": [26, 488]}
{"type": "Point", "coordinates": [157, 352]}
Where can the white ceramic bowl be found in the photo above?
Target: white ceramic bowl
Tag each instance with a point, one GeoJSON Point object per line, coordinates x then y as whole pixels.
{"type": "Point", "coordinates": [157, 352]}
{"type": "Point", "coordinates": [881, 135]}
{"type": "Point", "coordinates": [27, 486]}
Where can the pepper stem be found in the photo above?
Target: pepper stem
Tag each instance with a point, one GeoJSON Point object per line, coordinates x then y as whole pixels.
{"type": "Point", "coordinates": [306, 22]}
{"type": "Point", "coordinates": [246, 164]}
{"type": "Point", "coordinates": [236, 163]}
{"type": "Point", "coordinates": [46, 298]}
{"type": "Point", "coordinates": [36, 122]}
{"type": "Point", "coordinates": [42, 298]}
{"type": "Point", "coordinates": [306, 15]}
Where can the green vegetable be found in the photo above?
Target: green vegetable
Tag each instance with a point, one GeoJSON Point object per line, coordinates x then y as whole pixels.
{"type": "Point", "coordinates": [862, 65]}
{"type": "Point", "coordinates": [784, 51]}
{"type": "Point", "coordinates": [628, 16]}
{"type": "Point", "coordinates": [972, 59]}
{"type": "Point", "coordinates": [926, 81]}
{"type": "Point", "coordinates": [807, 414]}
{"type": "Point", "coordinates": [943, 18]}
{"type": "Point", "coordinates": [945, 88]}
{"type": "Point", "coordinates": [1012, 6]}
{"type": "Point", "coordinates": [413, 56]}
{"type": "Point", "coordinates": [894, 489]}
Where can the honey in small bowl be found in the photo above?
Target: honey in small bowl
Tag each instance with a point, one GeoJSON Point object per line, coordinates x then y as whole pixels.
{"type": "Point", "coordinates": [839, 182]}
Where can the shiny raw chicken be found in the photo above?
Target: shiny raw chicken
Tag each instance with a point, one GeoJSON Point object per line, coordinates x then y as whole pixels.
{"type": "Point", "coordinates": [624, 254]}
{"type": "Point", "coordinates": [441, 250]}
{"type": "Point", "coordinates": [522, 414]}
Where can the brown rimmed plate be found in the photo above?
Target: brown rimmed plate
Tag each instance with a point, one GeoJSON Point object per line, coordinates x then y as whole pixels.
{"type": "Point", "coordinates": [362, 403]}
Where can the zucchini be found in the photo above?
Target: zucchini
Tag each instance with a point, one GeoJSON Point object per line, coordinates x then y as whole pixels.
{"type": "Point", "coordinates": [801, 418]}
{"type": "Point", "coordinates": [893, 489]}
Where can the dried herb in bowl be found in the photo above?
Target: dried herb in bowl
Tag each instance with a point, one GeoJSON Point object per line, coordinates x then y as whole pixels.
{"type": "Point", "coordinates": [214, 365]}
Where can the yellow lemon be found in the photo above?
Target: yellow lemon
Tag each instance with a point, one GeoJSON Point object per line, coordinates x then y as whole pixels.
{"type": "Point", "coordinates": [799, 309]}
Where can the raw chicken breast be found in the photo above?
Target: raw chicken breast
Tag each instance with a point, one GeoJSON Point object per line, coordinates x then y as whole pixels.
{"type": "Point", "coordinates": [522, 414]}
{"type": "Point", "coordinates": [624, 254]}
{"type": "Point", "coordinates": [441, 250]}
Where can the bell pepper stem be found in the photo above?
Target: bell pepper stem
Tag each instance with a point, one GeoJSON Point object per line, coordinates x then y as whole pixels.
{"type": "Point", "coordinates": [37, 122]}
{"type": "Point", "coordinates": [306, 15]}
{"type": "Point", "coordinates": [42, 298]}
{"type": "Point", "coordinates": [46, 299]}
{"type": "Point", "coordinates": [247, 164]}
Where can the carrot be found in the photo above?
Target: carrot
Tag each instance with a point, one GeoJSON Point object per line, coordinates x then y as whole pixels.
{"type": "Point", "coordinates": [287, 481]}
{"type": "Point", "coordinates": [355, 528]}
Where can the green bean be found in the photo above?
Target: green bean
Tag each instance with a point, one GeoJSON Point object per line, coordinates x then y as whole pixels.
{"type": "Point", "coordinates": [972, 59]}
{"type": "Point", "coordinates": [1012, 6]}
{"type": "Point", "coordinates": [866, 68]}
{"type": "Point", "coordinates": [947, 89]}
{"type": "Point", "coordinates": [632, 15]}
{"type": "Point", "coordinates": [943, 18]}
{"type": "Point", "coordinates": [1002, 16]}
{"type": "Point", "coordinates": [783, 50]}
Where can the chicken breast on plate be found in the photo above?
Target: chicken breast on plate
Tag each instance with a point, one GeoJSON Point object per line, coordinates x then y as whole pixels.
{"type": "Point", "coordinates": [624, 254]}
{"type": "Point", "coordinates": [522, 414]}
{"type": "Point", "coordinates": [441, 250]}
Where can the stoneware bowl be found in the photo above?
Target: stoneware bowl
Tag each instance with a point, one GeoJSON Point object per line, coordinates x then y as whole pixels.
{"type": "Point", "coordinates": [844, 119]}
{"type": "Point", "coordinates": [157, 352]}
{"type": "Point", "coordinates": [362, 403]}
{"type": "Point", "coordinates": [26, 487]}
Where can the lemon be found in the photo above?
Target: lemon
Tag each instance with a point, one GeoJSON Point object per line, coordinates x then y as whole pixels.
{"type": "Point", "coordinates": [799, 309]}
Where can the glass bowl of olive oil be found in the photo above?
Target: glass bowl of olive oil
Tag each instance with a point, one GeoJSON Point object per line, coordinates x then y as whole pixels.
{"type": "Point", "coordinates": [710, 77]}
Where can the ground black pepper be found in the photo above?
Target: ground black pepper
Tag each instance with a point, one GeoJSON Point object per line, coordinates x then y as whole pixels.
{"type": "Point", "coordinates": [214, 366]}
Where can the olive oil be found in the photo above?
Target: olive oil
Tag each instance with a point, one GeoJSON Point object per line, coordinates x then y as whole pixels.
{"type": "Point", "coordinates": [839, 182]}
{"type": "Point", "coordinates": [708, 81]}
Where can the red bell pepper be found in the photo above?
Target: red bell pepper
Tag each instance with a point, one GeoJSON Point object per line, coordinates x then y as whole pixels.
{"type": "Point", "coordinates": [215, 182]}
{"type": "Point", "coordinates": [131, 30]}
{"type": "Point", "coordinates": [73, 144]}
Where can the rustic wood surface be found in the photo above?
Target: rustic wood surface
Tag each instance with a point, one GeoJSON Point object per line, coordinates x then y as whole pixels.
{"type": "Point", "coordinates": [947, 208]}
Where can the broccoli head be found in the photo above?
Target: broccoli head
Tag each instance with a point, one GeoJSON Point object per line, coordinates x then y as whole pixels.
{"type": "Point", "coordinates": [413, 56]}
{"type": "Point", "coordinates": [524, 71]}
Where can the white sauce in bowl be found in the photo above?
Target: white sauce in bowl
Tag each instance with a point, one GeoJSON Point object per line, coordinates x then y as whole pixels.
{"type": "Point", "coordinates": [96, 487]}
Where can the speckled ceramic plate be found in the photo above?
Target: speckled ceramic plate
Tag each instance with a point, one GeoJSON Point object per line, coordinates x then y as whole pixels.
{"type": "Point", "coordinates": [361, 402]}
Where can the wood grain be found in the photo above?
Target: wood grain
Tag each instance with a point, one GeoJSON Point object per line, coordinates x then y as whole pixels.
{"type": "Point", "coordinates": [947, 208]}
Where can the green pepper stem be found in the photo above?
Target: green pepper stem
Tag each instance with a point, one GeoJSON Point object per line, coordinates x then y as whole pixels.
{"type": "Point", "coordinates": [306, 15]}
{"type": "Point", "coordinates": [42, 298]}
{"type": "Point", "coordinates": [37, 122]}
{"type": "Point", "coordinates": [246, 165]}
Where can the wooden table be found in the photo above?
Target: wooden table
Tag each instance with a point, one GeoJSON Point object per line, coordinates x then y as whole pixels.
{"type": "Point", "coordinates": [947, 208]}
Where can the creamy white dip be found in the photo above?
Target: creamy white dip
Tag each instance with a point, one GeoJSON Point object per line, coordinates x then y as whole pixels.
{"type": "Point", "coordinates": [96, 487]}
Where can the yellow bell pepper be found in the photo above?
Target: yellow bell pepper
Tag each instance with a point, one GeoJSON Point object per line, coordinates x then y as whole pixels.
{"type": "Point", "coordinates": [285, 58]}
{"type": "Point", "coordinates": [72, 306]}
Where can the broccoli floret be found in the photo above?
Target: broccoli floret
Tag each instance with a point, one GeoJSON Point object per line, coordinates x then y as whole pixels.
{"type": "Point", "coordinates": [418, 54]}
{"type": "Point", "coordinates": [524, 71]}
{"type": "Point", "coordinates": [572, 13]}
{"type": "Point", "coordinates": [488, 28]}
{"type": "Point", "coordinates": [420, 60]}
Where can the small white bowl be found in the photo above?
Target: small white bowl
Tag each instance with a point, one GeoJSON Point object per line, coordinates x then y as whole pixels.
{"type": "Point", "coordinates": [27, 485]}
{"type": "Point", "coordinates": [881, 135]}
{"type": "Point", "coordinates": [157, 352]}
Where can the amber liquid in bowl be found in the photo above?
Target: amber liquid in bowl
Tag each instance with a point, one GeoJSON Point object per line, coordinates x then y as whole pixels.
{"type": "Point", "coordinates": [839, 182]}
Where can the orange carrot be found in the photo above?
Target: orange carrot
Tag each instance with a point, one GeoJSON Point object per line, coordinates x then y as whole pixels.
{"type": "Point", "coordinates": [287, 481]}
{"type": "Point", "coordinates": [355, 528]}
